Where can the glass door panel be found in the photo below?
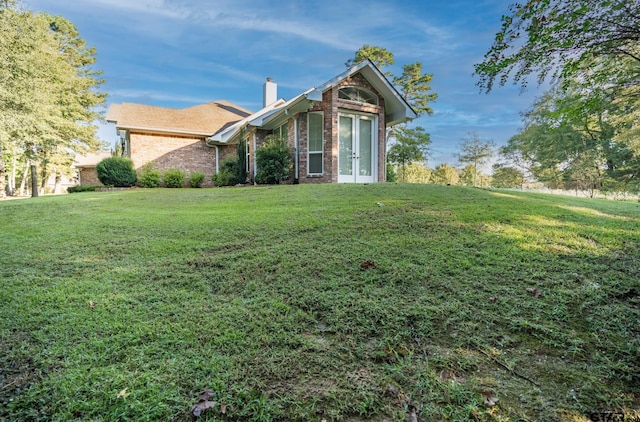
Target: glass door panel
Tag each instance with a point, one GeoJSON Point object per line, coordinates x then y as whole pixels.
{"type": "Point", "coordinates": [345, 146]}
{"type": "Point", "coordinates": [365, 162]}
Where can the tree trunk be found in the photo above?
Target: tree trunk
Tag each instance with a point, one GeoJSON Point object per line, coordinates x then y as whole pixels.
{"type": "Point", "coordinates": [56, 187]}
{"type": "Point", "coordinates": [34, 181]}
{"type": "Point", "coordinates": [3, 186]}
{"type": "Point", "coordinates": [23, 182]}
{"type": "Point", "coordinates": [11, 185]}
{"type": "Point", "coordinates": [44, 179]}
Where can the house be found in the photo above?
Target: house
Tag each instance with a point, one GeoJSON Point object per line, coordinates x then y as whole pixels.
{"type": "Point", "coordinates": [86, 167]}
{"type": "Point", "coordinates": [336, 130]}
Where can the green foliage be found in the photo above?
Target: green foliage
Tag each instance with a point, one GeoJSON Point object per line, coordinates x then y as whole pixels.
{"type": "Point", "coordinates": [391, 173]}
{"type": "Point", "coordinates": [117, 172]}
{"type": "Point", "coordinates": [273, 160]}
{"type": "Point", "coordinates": [49, 97]}
{"type": "Point", "coordinates": [574, 141]}
{"type": "Point", "coordinates": [472, 294]}
{"type": "Point", "coordinates": [506, 177]}
{"type": "Point", "coordinates": [562, 38]}
{"type": "Point", "coordinates": [414, 86]}
{"type": "Point", "coordinates": [82, 188]}
{"type": "Point", "coordinates": [150, 176]}
{"type": "Point", "coordinates": [414, 173]}
{"type": "Point", "coordinates": [381, 57]}
{"type": "Point", "coordinates": [242, 161]}
{"type": "Point", "coordinates": [444, 174]}
{"type": "Point", "coordinates": [228, 173]}
{"type": "Point", "coordinates": [196, 179]}
{"type": "Point", "coordinates": [467, 175]}
{"type": "Point", "coordinates": [476, 152]}
{"type": "Point", "coordinates": [173, 178]}
{"type": "Point", "coordinates": [591, 50]}
{"type": "Point", "coordinates": [409, 146]}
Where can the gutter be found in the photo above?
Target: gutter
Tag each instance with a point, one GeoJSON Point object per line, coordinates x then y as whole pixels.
{"type": "Point", "coordinates": [217, 157]}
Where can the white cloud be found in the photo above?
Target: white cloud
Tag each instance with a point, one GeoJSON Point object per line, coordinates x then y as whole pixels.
{"type": "Point", "coordinates": [147, 7]}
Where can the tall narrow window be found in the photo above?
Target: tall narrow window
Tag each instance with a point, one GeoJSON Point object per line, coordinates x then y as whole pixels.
{"type": "Point", "coordinates": [248, 158]}
{"type": "Point", "coordinates": [315, 149]}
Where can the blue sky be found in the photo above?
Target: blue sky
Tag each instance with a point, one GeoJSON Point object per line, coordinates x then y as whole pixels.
{"type": "Point", "coordinates": [178, 53]}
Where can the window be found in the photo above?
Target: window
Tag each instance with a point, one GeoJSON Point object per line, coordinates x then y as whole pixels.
{"type": "Point", "coordinates": [315, 149]}
{"type": "Point", "coordinates": [282, 131]}
{"type": "Point", "coordinates": [247, 160]}
{"type": "Point", "coordinates": [358, 95]}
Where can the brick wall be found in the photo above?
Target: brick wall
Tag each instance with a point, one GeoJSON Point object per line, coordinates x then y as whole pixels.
{"type": "Point", "coordinates": [189, 154]}
{"type": "Point", "coordinates": [330, 106]}
{"type": "Point", "coordinates": [89, 177]}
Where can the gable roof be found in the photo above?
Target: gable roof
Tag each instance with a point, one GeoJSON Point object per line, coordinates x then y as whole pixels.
{"type": "Point", "coordinates": [199, 120]}
{"type": "Point", "coordinates": [397, 109]}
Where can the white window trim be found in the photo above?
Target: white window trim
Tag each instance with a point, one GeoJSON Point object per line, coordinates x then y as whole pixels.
{"type": "Point", "coordinates": [247, 157]}
{"type": "Point", "coordinates": [359, 88]}
{"type": "Point", "coordinates": [375, 147]}
{"type": "Point", "coordinates": [309, 152]}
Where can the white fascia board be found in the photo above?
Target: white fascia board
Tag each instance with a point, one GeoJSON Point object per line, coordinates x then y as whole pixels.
{"type": "Point", "coordinates": [295, 105]}
{"type": "Point", "coordinates": [396, 106]}
{"type": "Point", "coordinates": [229, 133]}
{"type": "Point", "coordinates": [167, 131]}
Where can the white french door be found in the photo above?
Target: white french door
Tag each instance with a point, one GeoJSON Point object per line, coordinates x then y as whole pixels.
{"type": "Point", "coordinates": [357, 142]}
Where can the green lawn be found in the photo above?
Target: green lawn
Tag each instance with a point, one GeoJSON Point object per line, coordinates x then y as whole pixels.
{"type": "Point", "coordinates": [467, 296]}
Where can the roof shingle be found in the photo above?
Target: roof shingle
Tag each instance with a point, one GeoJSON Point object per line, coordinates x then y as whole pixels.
{"type": "Point", "coordinates": [204, 119]}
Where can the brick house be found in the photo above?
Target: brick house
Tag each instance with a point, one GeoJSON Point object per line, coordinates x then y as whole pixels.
{"type": "Point", "coordinates": [86, 167]}
{"type": "Point", "coordinates": [336, 130]}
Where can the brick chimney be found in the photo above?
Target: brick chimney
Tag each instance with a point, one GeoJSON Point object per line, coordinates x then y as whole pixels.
{"type": "Point", "coordinates": [270, 92]}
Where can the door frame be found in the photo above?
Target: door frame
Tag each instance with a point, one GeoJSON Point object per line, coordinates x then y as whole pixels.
{"type": "Point", "coordinates": [355, 130]}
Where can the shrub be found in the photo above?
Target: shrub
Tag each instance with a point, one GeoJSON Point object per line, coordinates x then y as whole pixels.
{"type": "Point", "coordinates": [82, 188]}
{"type": "Point", "coordinates": [150, 176]}
{"type": "Point", "coordinates": [174, 178]}
{"type": "Point", "coordinates": [228, 173]}
{"type": "Point", "coordinates": [273, 160]}
{"type": "Point", "coordinates": [117, 172]}
{"type": "Point", "coordinates": [196, 179]}
{"type": "Point", "coordinates": [391, 173]}
{"type": "Point", "coordinates": [242, 162]}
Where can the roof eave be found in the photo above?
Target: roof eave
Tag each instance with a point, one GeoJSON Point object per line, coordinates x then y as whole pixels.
{"type": "Point", "coordinates": [227, 135]}
{"type": "Point", "coordinates": [167, 131]}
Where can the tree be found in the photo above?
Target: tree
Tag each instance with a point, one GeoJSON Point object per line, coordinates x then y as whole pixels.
{"type": "Point", "coordinates": [445, 174]}
{"type": "Point", "coordinates": [242, 160]}
{"type": "Point", "coordinates": [410, 146]}
{"type": "Point", "coordinates": [48, 90]}
{"type": "Point", "coordinates": [506, 177]}
{"type": "Point", "coordinates": [564, 39]}
{"type": "Point", "coordinates": [414, 86]}
{"type": "Point", "coordinates": [575, 140]}
{"type": "Point", "coordinates": [381, 57]}
{"type": "Point", "coordinates": [415, 173]}
{"type": "Point", "coordinates": [467, 175]}
{"type": "Point", "coordinates": [476, 152]}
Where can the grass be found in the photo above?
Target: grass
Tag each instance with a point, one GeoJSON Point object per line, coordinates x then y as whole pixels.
{"type": "Point", "coordinates": [259, 295]}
